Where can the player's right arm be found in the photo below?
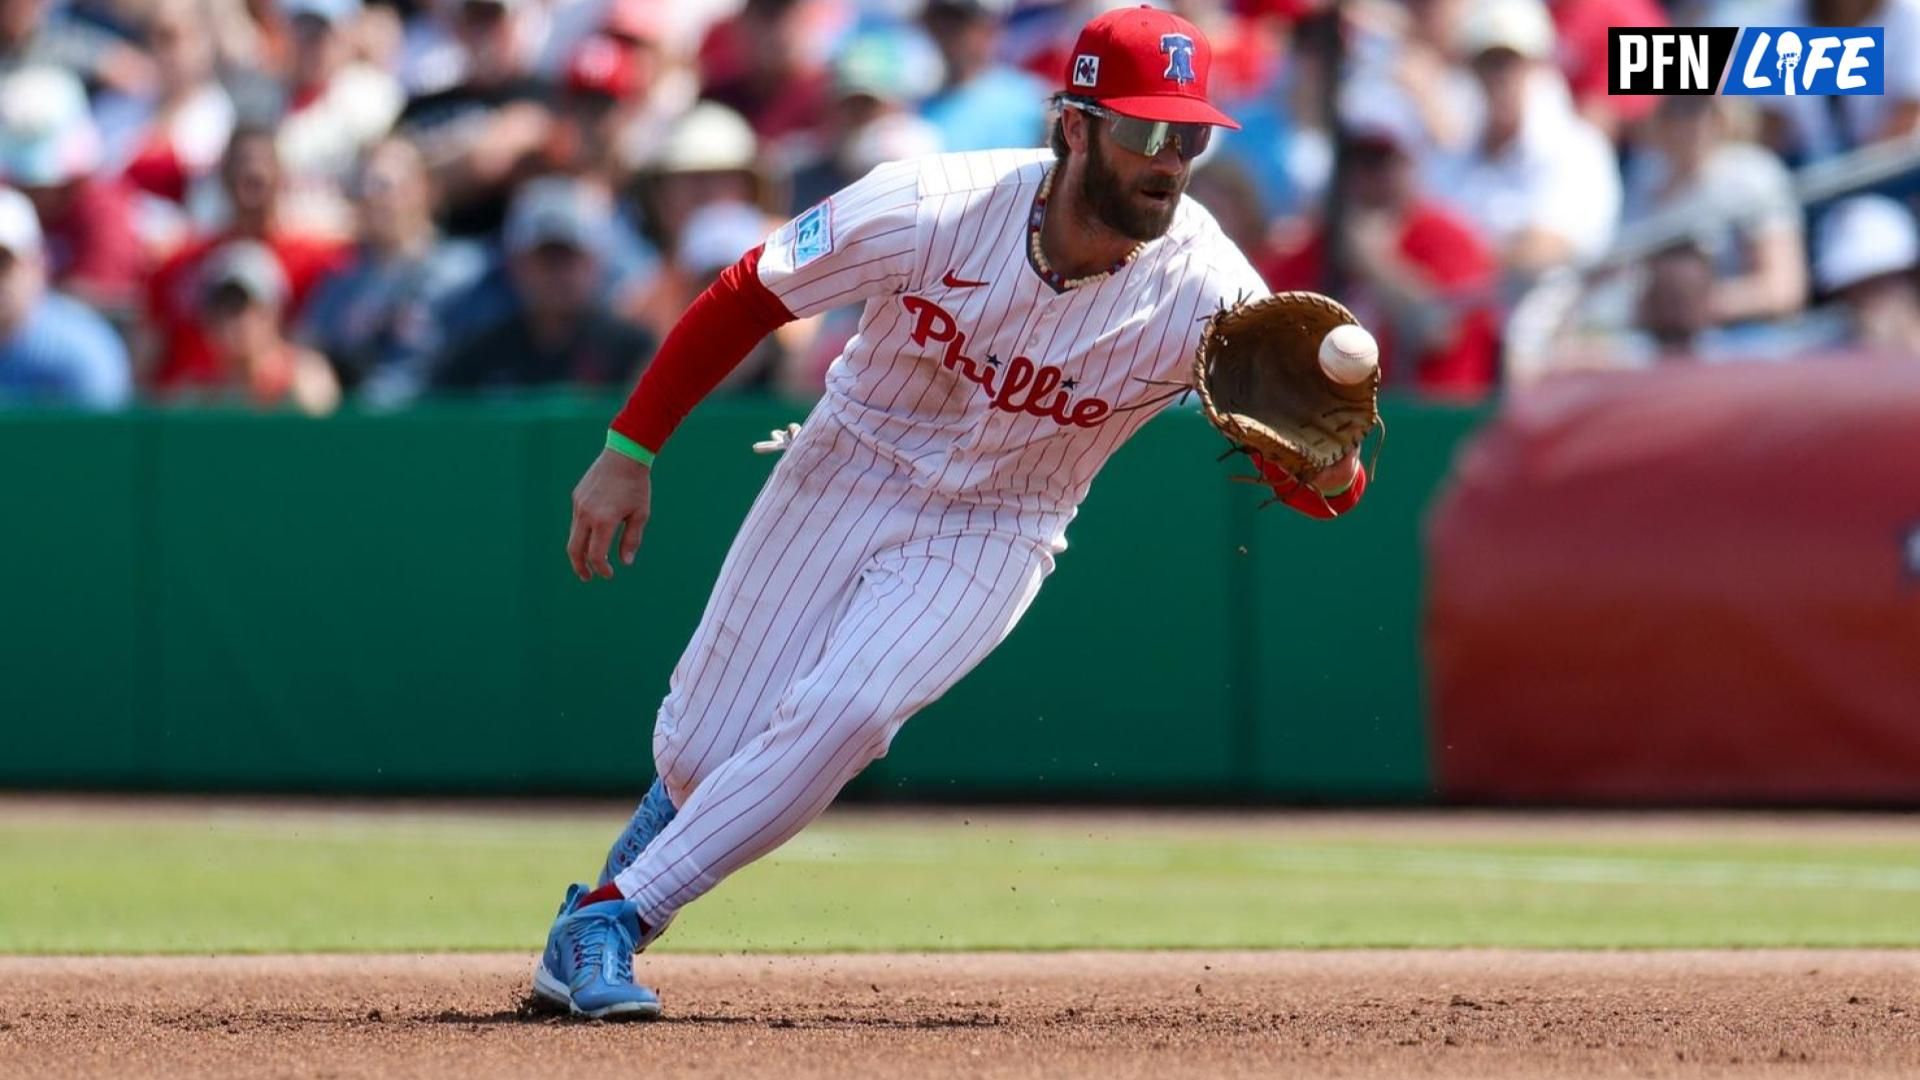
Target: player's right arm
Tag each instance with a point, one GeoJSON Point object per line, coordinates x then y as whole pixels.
{"type": "Point", "coordinates": [860, 242]}
{"type": "Point", "coordinates": [1327, 493]}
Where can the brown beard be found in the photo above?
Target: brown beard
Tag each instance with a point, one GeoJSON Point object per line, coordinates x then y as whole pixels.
{"type": "Point", "coordinates": [1110, 201]}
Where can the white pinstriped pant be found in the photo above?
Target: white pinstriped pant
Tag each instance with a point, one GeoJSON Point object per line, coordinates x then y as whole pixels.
{"type": "Point", "coordinates": [850, 599]}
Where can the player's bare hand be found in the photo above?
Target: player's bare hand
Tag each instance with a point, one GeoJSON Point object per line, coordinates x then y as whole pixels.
{"type": "Point", "coordinates": [616, 492]}
{"type": "Point", "coordinates": [1338, 476]}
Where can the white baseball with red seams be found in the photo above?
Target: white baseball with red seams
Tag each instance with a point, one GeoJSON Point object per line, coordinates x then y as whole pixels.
{"type": "Point", "coordinates": [910, 523]}
{"type": "Point", "coordinates": [1348, 354]}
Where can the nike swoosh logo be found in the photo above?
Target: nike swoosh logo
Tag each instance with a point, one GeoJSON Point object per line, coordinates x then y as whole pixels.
{"type": "Point", "coordinates": [952, 282]}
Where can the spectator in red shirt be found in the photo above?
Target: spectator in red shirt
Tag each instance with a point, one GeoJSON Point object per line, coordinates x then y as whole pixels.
{"type": "Point", "coordinates": [1581, 26]}
{"type": "Point", "coordinates": [240, 294]}
{"type": "Point", "coordinates": [1423, 278]}
{"type": "Point", "coordinates": [250, 178]}
{"type": "Point", "coordinates": [50, 150]}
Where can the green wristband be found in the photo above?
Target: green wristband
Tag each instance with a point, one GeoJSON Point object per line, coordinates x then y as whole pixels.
{"type": "Point", "coordinates": [626, 447]}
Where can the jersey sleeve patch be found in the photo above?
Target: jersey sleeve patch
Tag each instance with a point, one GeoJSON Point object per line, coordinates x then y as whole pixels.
{"type": "Point", "coordinates": [813, 234]}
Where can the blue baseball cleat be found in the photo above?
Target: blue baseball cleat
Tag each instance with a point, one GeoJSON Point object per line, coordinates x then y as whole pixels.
{"type": "Point", "coordinates": [652, 815]}
{"type": "Point", "coordinates": [587, 968]}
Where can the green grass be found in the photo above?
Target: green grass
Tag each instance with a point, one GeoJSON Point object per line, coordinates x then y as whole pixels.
{"type": "Point", "coordinates": [106, 881]}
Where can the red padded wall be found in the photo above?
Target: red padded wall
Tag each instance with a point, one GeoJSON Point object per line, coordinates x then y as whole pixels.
{"type": "Point", "coordinates": [1691, 585]}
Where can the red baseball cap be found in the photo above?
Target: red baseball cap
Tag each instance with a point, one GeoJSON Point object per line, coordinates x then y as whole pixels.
{"type": "Point", "coordinates": [1145, 63]}
{"type": "Point", "coordinates": [600, 67]}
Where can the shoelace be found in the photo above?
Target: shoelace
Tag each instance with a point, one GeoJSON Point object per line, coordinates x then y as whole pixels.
{"type": "Point", "coordinates": [591, 935]}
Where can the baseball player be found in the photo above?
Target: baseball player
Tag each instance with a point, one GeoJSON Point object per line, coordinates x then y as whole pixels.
{"type": "Point", "coordinates": [1025, 312]}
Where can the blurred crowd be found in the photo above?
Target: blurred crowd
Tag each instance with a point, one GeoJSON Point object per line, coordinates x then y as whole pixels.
{"type": "Point", "coordinates": [300, 203]}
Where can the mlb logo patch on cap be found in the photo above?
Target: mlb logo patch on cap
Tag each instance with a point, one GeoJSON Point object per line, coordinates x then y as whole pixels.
{"type": "Point", "coordinates": [1086, 70]}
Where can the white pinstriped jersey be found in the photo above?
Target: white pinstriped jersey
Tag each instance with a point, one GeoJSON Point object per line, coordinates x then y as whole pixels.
{"type": "Point", "coordinates": [912, 521]}
{"type": "Point", "coordinates": [969, 370]}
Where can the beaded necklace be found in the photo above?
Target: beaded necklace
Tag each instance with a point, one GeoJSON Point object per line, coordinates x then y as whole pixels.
{"type": "Point", "coordinates": [1058, 281]}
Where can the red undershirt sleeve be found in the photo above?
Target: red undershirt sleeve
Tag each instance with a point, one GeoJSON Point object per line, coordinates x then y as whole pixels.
{"type": "Point", "coordinates": [719, 329]}
{"type": "Point", "coordinates": [1305, 497]}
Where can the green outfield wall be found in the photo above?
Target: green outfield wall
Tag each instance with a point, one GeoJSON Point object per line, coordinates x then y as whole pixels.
{"type": "Point", "coordinates": [222, 601]}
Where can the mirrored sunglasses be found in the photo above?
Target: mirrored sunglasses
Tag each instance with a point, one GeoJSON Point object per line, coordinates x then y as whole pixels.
{"type": "Point", "coordinates": [1149, 137]}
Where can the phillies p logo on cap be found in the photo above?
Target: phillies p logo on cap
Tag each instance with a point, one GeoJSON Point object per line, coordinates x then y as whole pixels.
{"type": "Point", "coordinates": [1086, 70]}
{"type": "Point", "coordinates": [1179, 50]}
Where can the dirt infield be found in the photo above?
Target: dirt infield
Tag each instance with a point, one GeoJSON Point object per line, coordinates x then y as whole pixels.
{"type": "Point", "coordinates": [1158, 1015]}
